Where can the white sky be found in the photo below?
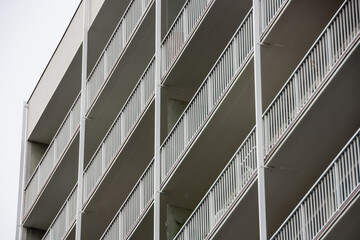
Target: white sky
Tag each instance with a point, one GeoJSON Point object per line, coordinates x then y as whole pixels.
{"type": "Point", "coordinates": [29, 34]}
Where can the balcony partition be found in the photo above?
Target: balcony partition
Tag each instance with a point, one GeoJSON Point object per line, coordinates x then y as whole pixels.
{"type": "Point", "coordinates": [120, 130]}
{"type": "Point", "coordinates": [328, 196]}
{"type": "Point", "coordinates": [115, 47]}
{"type": "Point", "coordinates": [225, 71]}
{"type": "Point", "coordinates": [314, 71]}
{"type": "Point", "coordinates": [180, 31]}
{"type": "Point", "coordinates": [64, 219]}
{"type": "Point", "coordinates": [52, 155]}
{"type": "Point", "coordinates": [134, 207]}
{"type": "Point", "coordinates": [228, 187]}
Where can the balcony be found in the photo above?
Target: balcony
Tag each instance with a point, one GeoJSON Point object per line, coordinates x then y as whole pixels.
{"type": "Point", "coordinates": [65, 220]}
{"type": "Point", "coordinates": [134, 209]}
{"type": "Point", "coordinates": [224, 195]}
{"type": "Point", "coordinates": [116, 159]}
{"type": "Point", "coordinates": [46, 184]}
{"type": "Point", "coordinates": [196, 39]}
{"type": "Point", "coordinates": [328, 199]}
{"type": "Point", "coordinates": [288, 37]}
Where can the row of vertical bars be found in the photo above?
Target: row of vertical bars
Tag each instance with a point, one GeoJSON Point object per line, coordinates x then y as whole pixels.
{"type": "Point", "coordinates": [224, 191]}
{"type": "Point", "coordinates": [64, 219]}
{"type": "Point", "coordinates": [136, 204]}
{"type": "Point", "coordinates": [327, 196]}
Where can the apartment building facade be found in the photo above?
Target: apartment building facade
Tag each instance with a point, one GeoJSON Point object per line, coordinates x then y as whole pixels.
{"type": "Point", "coordinates": [196, 119]}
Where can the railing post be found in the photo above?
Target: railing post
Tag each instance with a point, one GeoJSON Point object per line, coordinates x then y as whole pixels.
{"type": "Point", "coordinates": [105, 64]}
{"type": "Point", "coordinates": [337, 184]}
{"type": "Point", "coordinates": [303, 221]}
{"type": "Point", "coordinates": [186, 30]}
{"type": "Point", "coordinates": [235, 54]}
{"type": "Point", "coordinates": [124, 32]}
{"type": "Point", "coordinates": [121, 225]}
{"type": "Point", "coordinates": [212, 209]}
{"type": "Point", "coordinates": [329, 47]}
{"type": "Point", "coordinates": [142, 93]}
{"type": "Point", "coordinates": [297, 93]}
{"type": "Point", "coordinates": [122, 127]}
{"type": "Point", "coordinates": [210, 94]}
{"type": "Point", "coordinates": [142, 201]}
{"type": "Point", "coordinates": [186, 128]}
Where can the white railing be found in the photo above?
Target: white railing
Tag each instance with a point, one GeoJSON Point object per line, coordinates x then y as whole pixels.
{"type": "Point", "coordinates": [269, 9]}
{"type": "Point", "coordinates": [328, 196]}
{"type": "Point", "coordinates": [312, 73]}
{"type": "Point", "coordinates": [64, 219]}
{"type": "Point", "coordinates": [120, 38]}
{"type": "Point", "coordinates": [179, 32]}
{"type": "Point", "coordinates": [230, 63]}
{"type": "Point", "coordinates": [228, 187]}
{"type": "Point", "coordinates": [52, 155]}
{"type": "Point", "coordinates": [121, 128]}
{"type": "Point", "coordinates": [133, 208]}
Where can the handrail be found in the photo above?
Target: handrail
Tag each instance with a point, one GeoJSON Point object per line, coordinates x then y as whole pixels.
{"type": "Point", "coordinates": [327, 196]}
{"type": "Point", "coordinates": [143, 194]}
{"type": "Point", "coordinates": [122, 126]}
{"type": "Point", "coordinates": [312, 73]}
{"type": "Point", "coordinates": [228, 186]}
{"type": "Point", "coordinates": [53, 153]}
{"type": "Point", "coordinates": [231, 61]}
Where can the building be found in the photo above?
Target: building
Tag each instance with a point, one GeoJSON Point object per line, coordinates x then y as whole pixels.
{"type": "Point", "coordinates": [197, 119]}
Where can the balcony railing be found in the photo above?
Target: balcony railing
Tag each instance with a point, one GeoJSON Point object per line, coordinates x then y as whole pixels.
{"type": "Point", "coordinates": [185, 23]}
{"type": "Point", "coordinates": [228, 187]}
{"type": "Point", "coordinates": [119, 40]}
{"type": "Point", "coordinates": [327, 198]}
{"type": "Point", "coordinates": [312, 73]}
{"type": "Point", "coordinates": [269, 10]}
{"type": "Point", "coordinates": [222, 75]}
{"type": "Point", "coordinates": [52, 155]}
{"type": "Point", "coordinates": [121, 129]}
{"type": "Point", "coordinates": [134, 207]}
{"type": "Point", "coordinates": [64, 219]}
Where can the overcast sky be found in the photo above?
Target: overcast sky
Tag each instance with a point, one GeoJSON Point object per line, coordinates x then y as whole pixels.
{"type": "Point", "coordinates": [29, 34]}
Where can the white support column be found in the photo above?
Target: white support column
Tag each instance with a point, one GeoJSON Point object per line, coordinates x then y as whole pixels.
{"type": "Point", "coordinates": [82, 122]}
{"type": "Point", "coordinates": [157, 164]}
{"type": "Point", "coordinates": [259, 122]}
{"type": "Point", "coordinates": [20, 205]}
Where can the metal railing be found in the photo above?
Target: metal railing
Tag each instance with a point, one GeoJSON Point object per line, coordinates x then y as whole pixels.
{"type": "Point", "coordinates": [327, 197]}
{"type": "Point", "coordinates": [179, 32]}
{"type": "Point", "coordinates": [120, 38]}
{"type": "Point", "coordinates": [208, 96]}
{"type": "Point", "coordinates": [121, 128]}
{"type": "Point", "coordinates": [228, 187]}
{"type": "Point", "coordinates": [52, 155]}
{"type": "Point", "coordinates": [269, 9]}
{"type": "Point", "coordinates": [64, 219]}
{"type": "Point", "coordinates": [312, 73]}
{"type": "Point", "coordinates": [133, 208]}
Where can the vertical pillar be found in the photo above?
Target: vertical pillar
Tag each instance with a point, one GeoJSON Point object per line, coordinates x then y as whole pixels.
{"type": "Point", "coordinates": [82, 122]}
{"type": "Point", "coordinates": [20, 205]}
{"type": "Point", "coordinates": [259, 122]}
{"type": "Point", "coordinates": [157, 164]}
